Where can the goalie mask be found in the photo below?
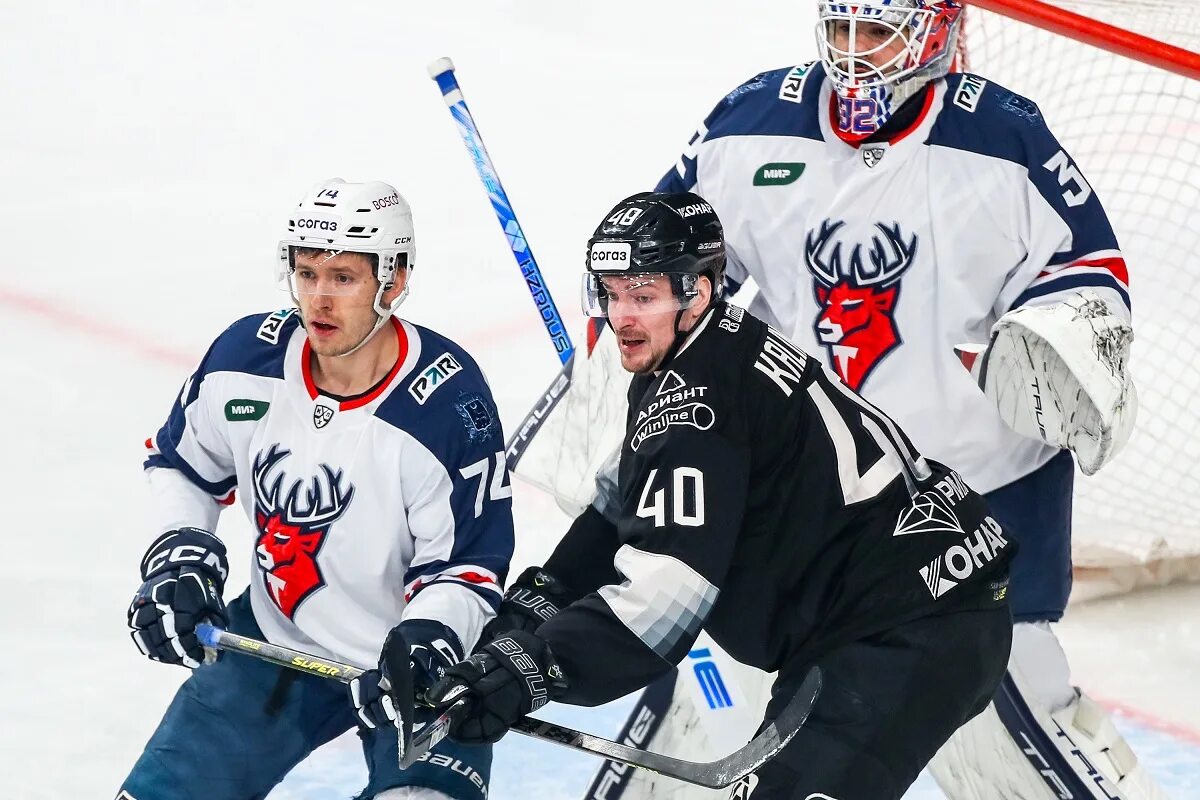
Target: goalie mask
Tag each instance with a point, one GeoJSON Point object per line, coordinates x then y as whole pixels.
{"type": "Point", "coordinates": [336, 216]}
{"type": "Point", "coordinates": [879, 53]}
{"type": "Point", "coordinates": [652, 240]}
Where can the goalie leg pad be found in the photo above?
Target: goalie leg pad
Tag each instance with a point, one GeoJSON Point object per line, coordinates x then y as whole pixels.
{"type": "Point", "coordinates": [1041, 739]}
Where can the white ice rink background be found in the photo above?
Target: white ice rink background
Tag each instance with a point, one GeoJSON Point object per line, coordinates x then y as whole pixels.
{"type": "Point", "coordinates": [148, 153]}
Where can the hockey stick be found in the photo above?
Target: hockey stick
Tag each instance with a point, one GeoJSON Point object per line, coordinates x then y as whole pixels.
{"type": "Point", "coordinates": [713, 774]}
{"type": "Point", "coordinates": [411, 748]}
{"type": "Point", "coordinates": [442, 71]}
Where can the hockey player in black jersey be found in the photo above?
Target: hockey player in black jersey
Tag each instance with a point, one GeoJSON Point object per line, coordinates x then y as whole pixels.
{"type": "Point", "coordinates": [759, 498]}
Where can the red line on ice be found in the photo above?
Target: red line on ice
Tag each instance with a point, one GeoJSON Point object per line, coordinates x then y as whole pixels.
{"type": "Point", "coordinates": [95, 328]}
{"type": "Point", "coordinates": [135, 342]}
{"type": "Point", "coordinates": [138, 342]}
{"type": "Point", "coordinates": [1189, 735]}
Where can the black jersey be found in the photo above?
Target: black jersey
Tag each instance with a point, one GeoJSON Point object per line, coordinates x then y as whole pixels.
{"type": "Point", "coordinates": [760, 498]}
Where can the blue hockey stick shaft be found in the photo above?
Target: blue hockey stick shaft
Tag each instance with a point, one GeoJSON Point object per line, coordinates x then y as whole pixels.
{"type": "Point", "coordinates": [442, 71]}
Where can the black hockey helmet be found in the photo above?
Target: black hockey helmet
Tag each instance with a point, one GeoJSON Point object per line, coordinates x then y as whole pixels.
{"type": "Point", "coordinates": [676, 234]}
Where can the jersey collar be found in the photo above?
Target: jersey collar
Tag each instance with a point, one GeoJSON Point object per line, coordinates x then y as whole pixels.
{"type": "Point", "coordinates": [374, 394]}
{"type": "Point", "coordinates": [906, 140]}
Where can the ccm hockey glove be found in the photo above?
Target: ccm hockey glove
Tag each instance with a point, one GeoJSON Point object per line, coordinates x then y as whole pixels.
{"type": "Point", "coordinates": [505, 680]}
{"type": "Point", "coordinates": [533, 598]}
{"type": "Point", "coordinates": [428, 647]}
{"type": "Point", "coordinates": [183, 576]}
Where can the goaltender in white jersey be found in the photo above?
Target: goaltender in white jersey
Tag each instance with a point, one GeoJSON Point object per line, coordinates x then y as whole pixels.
{"type": "Point", "coordinates": [883, 256]}
{"type": "Point", "coordinates": [367, 453]}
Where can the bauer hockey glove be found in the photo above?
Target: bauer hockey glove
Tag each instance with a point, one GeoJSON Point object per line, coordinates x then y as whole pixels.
{"type": "Point", "coordinates": [505, 680]}
{"type": "Point", "coordinates": [183, 576]}
{"type": "Point", "coordinates": [428, 647]}
{"type": "Point", "coordinates": [533, 598]}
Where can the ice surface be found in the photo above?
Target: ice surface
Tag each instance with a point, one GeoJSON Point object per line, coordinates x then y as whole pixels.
{"type": "Point", "coordinates": [147, 155]}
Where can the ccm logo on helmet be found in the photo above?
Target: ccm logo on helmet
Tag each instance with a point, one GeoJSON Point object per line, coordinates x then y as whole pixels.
{"type": "Point", "coordinates": [694, 209]}
{"type": "Point", "coordinates": [383, 202]}
{"type": "Point", "coordinates": [316, 224]}
{"type": "Point", "coordinates": [609, 255]}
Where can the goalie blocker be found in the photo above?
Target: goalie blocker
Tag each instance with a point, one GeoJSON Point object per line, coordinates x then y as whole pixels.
{"type": "Point", "coordinates": [759, 498]}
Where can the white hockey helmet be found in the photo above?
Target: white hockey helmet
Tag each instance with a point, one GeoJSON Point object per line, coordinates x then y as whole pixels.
{"type": "Point", "coordinates": [871, 93]}
{"type": "Point", "coordinates": [371, 218]}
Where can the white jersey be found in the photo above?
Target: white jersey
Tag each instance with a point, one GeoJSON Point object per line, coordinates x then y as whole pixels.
{"type": "Point", "coordinates": [392, 505]}
{"type": "Point", "coordinates": [881, 258]}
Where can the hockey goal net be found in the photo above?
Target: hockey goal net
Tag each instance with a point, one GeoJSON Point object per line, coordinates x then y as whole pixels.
{"type": "Point", "coordinates": [1134, 131]}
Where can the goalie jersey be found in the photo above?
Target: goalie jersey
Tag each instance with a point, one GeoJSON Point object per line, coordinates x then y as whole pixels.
{"type": "Point", "coordinates": [391, 505]}
{"type": "Point", "coordinates": [880, 259]}
{"type": "Point", "coordinates": [760, 498]}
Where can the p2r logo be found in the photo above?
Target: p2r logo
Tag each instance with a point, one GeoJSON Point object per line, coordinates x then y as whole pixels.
{"type": "Point", "coordinates": [716, 693]}
{"type": "Point", "coordinates": [441, 370]}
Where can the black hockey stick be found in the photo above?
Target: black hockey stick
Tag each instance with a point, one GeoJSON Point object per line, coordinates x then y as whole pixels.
{"type": "Point", "coordinates": [712, 774]}
{"type": "Point", "coordinates": [411, 748]}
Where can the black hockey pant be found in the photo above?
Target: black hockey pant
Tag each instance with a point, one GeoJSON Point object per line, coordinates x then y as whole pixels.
{"type": "Point", "coordinates": [888, 703]}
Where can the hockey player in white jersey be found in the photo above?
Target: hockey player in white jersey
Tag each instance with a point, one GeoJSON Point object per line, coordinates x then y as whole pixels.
{"type": "Point", "coordinates": [889, 211]}
{"type": "Point", "coordinates": [368, 455]}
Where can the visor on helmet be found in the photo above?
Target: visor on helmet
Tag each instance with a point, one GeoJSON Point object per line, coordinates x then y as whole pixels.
{"type": "Point", "coordinates": [318, 277]}
{"type": "Point", "coordinates": [636, 294]}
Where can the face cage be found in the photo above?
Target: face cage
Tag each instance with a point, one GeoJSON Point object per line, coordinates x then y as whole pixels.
{"type": "Point", "coordinates": [638, 294]}
{"type": "Point", "coordinates": [850, 70]}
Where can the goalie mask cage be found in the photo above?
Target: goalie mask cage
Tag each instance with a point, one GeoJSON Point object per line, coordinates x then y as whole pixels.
{"type": "Point", "coordinates": [1134, 131]}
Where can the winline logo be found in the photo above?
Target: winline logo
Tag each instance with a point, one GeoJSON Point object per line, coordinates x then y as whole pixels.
{"type": "Point", "coordinates": [778, 174]}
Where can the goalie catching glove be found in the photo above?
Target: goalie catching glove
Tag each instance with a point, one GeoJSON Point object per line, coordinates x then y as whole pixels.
{"type": "Point", "coordinates": [183, 576]}
{"type": "Point", "coordinates": [1059, 373]}
{"type": "Point", "coordinates": [504, 681]}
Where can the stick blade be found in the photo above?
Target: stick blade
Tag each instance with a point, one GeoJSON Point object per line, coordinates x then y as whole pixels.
{"type": "Point", "coordinates": [398, 671]}
{"type": "Point", "coordinates": [772, 739]}
{"type": "Point", "coordinates": [428, 736]}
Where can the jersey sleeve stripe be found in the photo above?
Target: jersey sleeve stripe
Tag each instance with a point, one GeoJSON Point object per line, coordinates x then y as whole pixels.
{"type": "Point", "coordinates": [663, 601]}
{"type": "Point", "coordinates": [1083, 279]}
{"type": "Point", "coordinates": [481, 579]}
{"type": "Point", "coordinates": [219, 489]}
{"type": "Point", "coordinates": [1067, 258]}
{"type": "Point", "coordinates": [1114, 263]}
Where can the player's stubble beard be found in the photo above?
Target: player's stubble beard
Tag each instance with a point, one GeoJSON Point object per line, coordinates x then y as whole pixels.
{"type": "Point", "coordinates": [648, 355]}
{"type": "Point", "coordinates": [354, 323]}
{"type": "Point", "coordinates": [659, 334]}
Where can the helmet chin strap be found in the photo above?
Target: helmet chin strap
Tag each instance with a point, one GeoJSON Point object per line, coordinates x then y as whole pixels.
{"type": "Point", "coordinates": [681, 336]}
{"type": "Point", "coordinates": [383, 313]}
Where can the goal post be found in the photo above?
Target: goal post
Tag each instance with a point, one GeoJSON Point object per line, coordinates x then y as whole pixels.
{"type": "Point", "coordinates": [1098, 33]}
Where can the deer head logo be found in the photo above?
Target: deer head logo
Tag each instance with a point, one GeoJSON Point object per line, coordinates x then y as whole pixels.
{"type": "Point", "coordinates": [857, 297]}
{"type": "Point", "coordinates": [291, 529]}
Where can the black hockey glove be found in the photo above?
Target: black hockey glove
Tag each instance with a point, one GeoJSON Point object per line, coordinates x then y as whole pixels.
{"type": "Point", "coordinates": [427, 647]}
{"type": "Point", "coordinates": [533, 598]}
{"type": "Point", "coordinates": [505, 680]}
{"type": "Point", "coordinates": [183, 576]}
